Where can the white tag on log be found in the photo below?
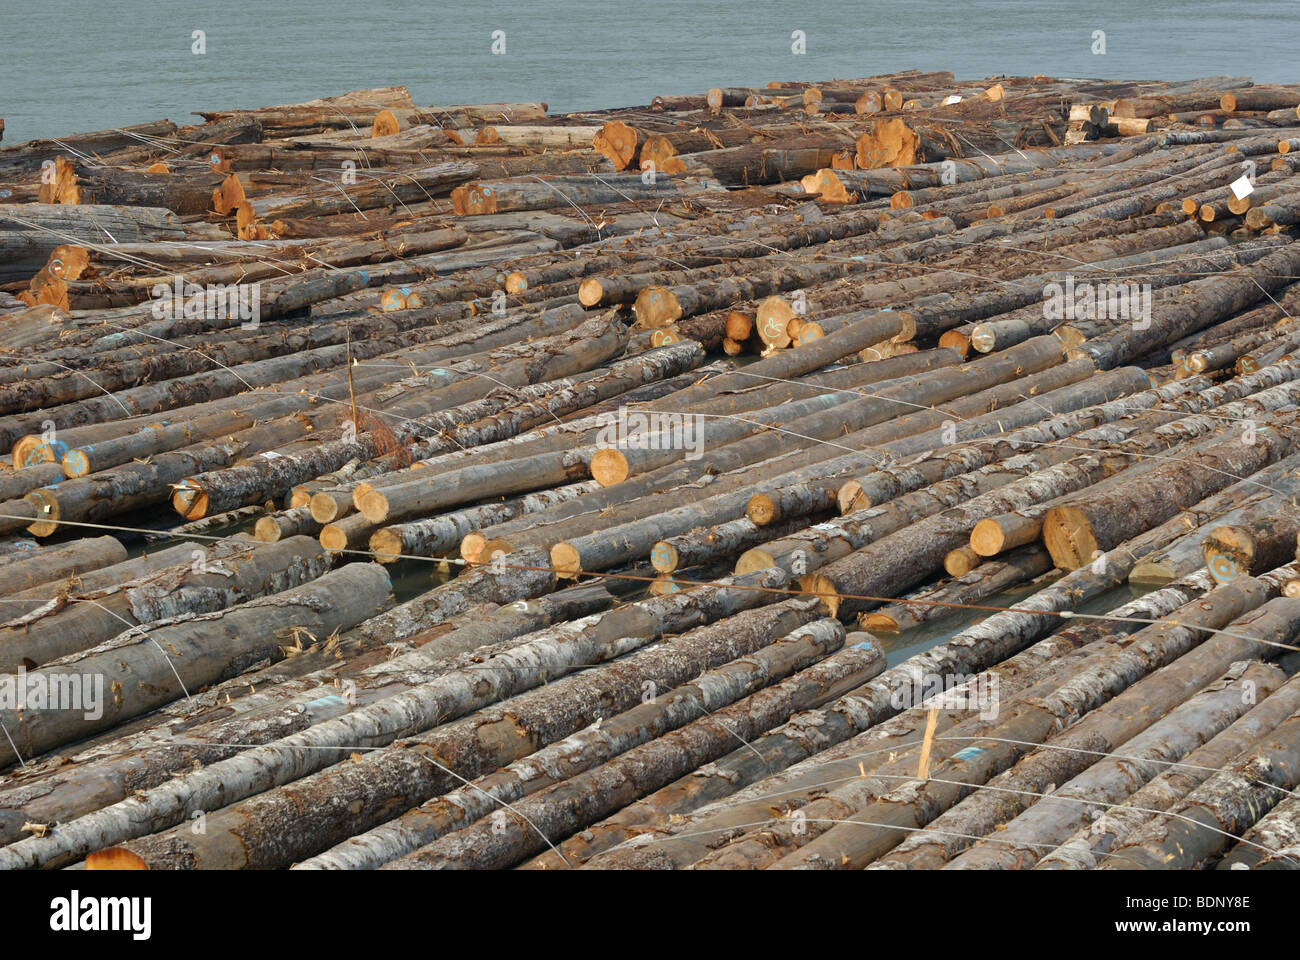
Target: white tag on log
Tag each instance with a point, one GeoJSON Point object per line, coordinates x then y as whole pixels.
{"type": "Point", "coordinates": [953, 99]}
{"type": "Point", "coordinates": [1241, 188]}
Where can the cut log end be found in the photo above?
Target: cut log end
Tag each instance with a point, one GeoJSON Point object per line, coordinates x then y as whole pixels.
{"type": "Point", "coordinates": [982, 338]}
{"type": "Point", "coordinates": [385, 124]}
{"type": "Point", "coordinates": [609, 466]}
{"type": "Point", "coordinates": [878, 623]}
{"type": "Point", "coordinates": [851, 498]}
{"type": "Point", "coordinates": [374, 506]}
{"type": "Point", "coordinates": [591, 291]}
{"type": "Point", "coordinates": [987, 539]}
{"type": "Point", "coordinates": [739, 326]}
{"type": "Point", "coordinates": [325, 507]}
{"type": "Point", "coordinates": [267, 530]}
{"type": "Point", "coordinates": [955, 340]}
{"type": "Point", "coordinates": [617, 142]}
{"type": "Point", "coordinates": [773, 322]}
{"type": "Point", "coordinates": [471, 546]}
{"type": "Point", "coordinates": [762, 510]}
{"type": "Point", "coordinates": [755, 559]}
{"type": "Point", "coordinates": [498, 547]}
{"type": "Point", "coordinates": [333, 538]}
{"type": "Point", "coordinates": [473, 199]}
{"type": "Point", "coordinates": [115, 858]}
{"type": "Point", "coordinates": [516, 282]}
{"type": "Point", "coordinates": [566, 560]}
{"type": "Point", "coordinates": [76, 463]}
{"type": "Point", "coordinates": [386, 545]}
{"type": "Point", "coordinates": [824, 590]}
{"type": "Point", "coordinates": [663, 557]}
{"type": "Point", "coordinates": [23, 449]}
{"type": "Point", "coordinates": [961, 561]}
{"type": "Point", "coordinates": [1068, 537]}
{"type": "Point", "coordinates": [190, 501]}
{"type": "Point", "coordinates": [656, 306]}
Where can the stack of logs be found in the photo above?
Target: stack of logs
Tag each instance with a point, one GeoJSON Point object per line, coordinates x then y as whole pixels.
{"type": "Point", "coordinates": [894, 473]}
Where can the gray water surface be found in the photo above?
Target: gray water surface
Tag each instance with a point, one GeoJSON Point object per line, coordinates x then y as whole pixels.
{"type": "Point", "coordinates": [69, 66]}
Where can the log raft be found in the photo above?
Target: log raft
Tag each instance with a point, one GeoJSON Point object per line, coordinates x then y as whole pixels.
{"type": "Point", "coordinates": [719, 483]}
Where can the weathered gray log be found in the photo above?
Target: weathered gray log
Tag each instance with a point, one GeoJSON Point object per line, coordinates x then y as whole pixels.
{"type": "Point", "coordinates": [559, 810]}
{"type": "Point", "coordinates": [1085, 848]}
{"type": "Point", "coordinates": [226, 574]}
{"type": "Point", "coordinates": [1200, 827]}
{"type": "Point", "coordinates": [586, 749]}
{"type": "Point", "coordinates": [58, 563]}
{"type": "Point", "coordinates": [524, 666]}
{"type": "Point", "coordinates": [983, 582]}
{"type": "Point", "coordinates": [893, 798]}
{"type": "Point", "coordinates": [200, 650]}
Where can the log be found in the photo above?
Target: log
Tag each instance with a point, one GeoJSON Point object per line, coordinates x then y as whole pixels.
{"type": "Point", "coordinates": [1086, 847]}
{"type": "Point", "coordinates": [986, 580]}
{"type": "Point", "coordinates": [58, 563]}
{"type": "Point", "coordinates": [565, 807]}
{"type": "Point", "coordinates": [1236, 550]}
{"type": "Point", "coordinates": [224, 575]}
{"type": "Point", "coordinates": [498, 196]}
{"type": "Point", "coordinates": [711, 691]}
{"type": "Point", "coordinates": [218, 647]}
{"type": "Point", "coordinates": [1074, 530]}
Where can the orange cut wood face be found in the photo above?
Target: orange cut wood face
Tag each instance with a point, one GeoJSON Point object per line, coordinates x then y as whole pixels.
{"type": "Point", "coordinates": [115, 858]}
{"type": "Point", "coordinates": [890, 143]}
{"type": "Point", "coordinates": [385, 124]}
{"type": "Point", "coordinates": [618, 142]}
{"type": "Point", "coordinates": [472, 199]}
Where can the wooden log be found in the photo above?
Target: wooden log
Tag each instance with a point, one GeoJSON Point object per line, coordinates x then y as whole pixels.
{"type": "Point", "coordinates": [1250, 549]}
{"type": "Point", "coordinates": [184, 190]}
{"type": "Point", "coordinates": [625, 731]}
{"type": "Point", "coordinates": [992, 640]}
{"type": "Point", "coordinates": [877, 799]}
{"type": "Point", "coordinates": [994, 535]}
{"type": "Point", "coordinates": [961, 561]}
{"type": "Point", "coordinates": [634, 774]}
{"type": "Point", "coordinates": [1261, 98]}
{"type": "Point", "coordinates": [377, 191]}
{"type": "Point", "coordinates": [1073, 531]}
{"type": "Point", "coordinates": [33, 230]}
{"type": "Point", "coordinates": [499, 196]}
{"type": "Point", "coordinates": [588, 641]}
{"type": "Point", "coordinates": [1229, 802]}
{"type": "Point", "coordinates": [58, 563]}
{"type": "Point", "coordinates": [1085, 848]}
{"type": "Point", "coordinates": [1173, 734]}
{"type": "Point", "coordinates": [1270, 844]}
{"type": "Point", "coordinates": [442, 534]}
{"type": "Point", "coordinates": [986, 580]}
{"type": "Point", "coordinates": [338, 599]}
{"type": "Point", "coordinates": [219, 578]}
{"type": "Point", "coordinates": [295, 522]}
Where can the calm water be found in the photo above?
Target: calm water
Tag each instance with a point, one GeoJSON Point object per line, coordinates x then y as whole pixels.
{"type": "Point", "coordinates": [69, 65]}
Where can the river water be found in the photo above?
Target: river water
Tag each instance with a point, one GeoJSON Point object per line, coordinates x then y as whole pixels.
{"type": "Point", "coordinates": [69, 66]}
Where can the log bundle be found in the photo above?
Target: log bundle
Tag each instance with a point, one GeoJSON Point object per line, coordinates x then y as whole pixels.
{"type": "Point", "coordinates": [946, 431]}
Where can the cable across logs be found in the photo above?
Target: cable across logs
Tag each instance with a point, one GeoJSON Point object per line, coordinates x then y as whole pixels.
{"type": "Point", "coordinates": [892, 473]}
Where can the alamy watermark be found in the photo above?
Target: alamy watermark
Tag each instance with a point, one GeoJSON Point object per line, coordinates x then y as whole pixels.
{"type": "Point", "coordinates": [634, 430]}
{"type": "Point", "coordinates": [211, 301]}
{"type": "Point", "coordinates": [1098, 301]}
{"type": "Point", "coordinates": [83, 692]}
{"type": "Point", "coordinates": [977, 693]}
